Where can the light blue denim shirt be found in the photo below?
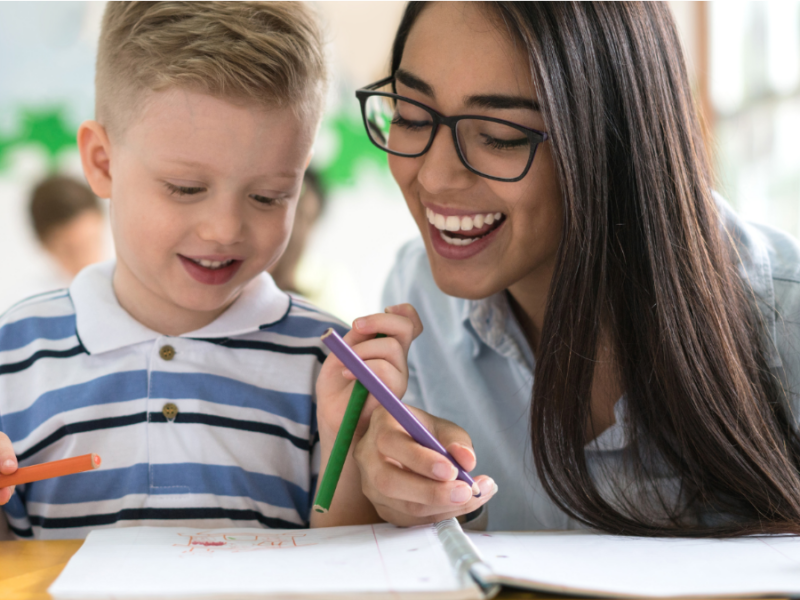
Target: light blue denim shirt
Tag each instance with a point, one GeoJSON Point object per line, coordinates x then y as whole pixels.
{"type": "Point", "coordinates": [473, 366]}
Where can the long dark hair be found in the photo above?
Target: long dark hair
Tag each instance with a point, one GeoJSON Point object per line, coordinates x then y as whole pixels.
{"type": "Point", "coordinates": [643, 258]}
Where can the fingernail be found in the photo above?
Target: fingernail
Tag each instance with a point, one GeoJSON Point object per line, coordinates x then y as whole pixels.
{"type": "Point", "coordinates": [460, 494]}
{"type": "Point", "coordinates": [359, 323]}
{"type": "Point", "coordinates": [443, 470]}
{"type": "Point", "coordinates": [9, 464]}
{"type": "Point", "coordinates": [390, 309]}
{"type": "Point", "coordinates": [468, 449]}
{"type": "Point", "coordinates": [488, 487]}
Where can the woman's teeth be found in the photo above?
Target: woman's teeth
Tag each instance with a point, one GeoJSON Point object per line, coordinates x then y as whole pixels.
{"type": "Point", "coordinates": [464, 224]}
{"type": "Point", "coordinates": [212, 264]}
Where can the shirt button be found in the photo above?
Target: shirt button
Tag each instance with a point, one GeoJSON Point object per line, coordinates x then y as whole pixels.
{"type": "Point", "coordinates": [167, 352]}
{"type": "Point", "coordinates": [170, 411]}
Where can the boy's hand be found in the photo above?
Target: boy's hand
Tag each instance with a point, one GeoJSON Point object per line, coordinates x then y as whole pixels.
{"type": "Point", "coordinates": [409, 484]}
{"type": "Point", "coordinates": [387, 357]}
{"type": "Point", "coordinates": [8, 465]}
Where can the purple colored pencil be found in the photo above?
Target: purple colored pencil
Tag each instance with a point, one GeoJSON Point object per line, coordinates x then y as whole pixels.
{"type": "Point", "coordinates": [390, 402]}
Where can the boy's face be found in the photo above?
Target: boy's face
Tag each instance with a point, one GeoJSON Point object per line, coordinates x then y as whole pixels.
{"type": "Point", "coordinates": [203, 194]}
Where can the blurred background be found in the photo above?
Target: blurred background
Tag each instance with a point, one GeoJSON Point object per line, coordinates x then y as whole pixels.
{"type": "Point", "coordinates": [743, 57]}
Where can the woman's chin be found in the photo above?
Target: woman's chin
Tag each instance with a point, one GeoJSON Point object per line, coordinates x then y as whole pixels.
{"type": "Point", "coordinates": [469, 286]}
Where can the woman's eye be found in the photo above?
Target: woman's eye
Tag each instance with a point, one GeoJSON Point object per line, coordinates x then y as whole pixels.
{"type": "Point", "coordinates": [501, 144]}
{"type": "Point", "coordinates": [183, 190]}
{"type": "Point", "coordinates": [410, 125]}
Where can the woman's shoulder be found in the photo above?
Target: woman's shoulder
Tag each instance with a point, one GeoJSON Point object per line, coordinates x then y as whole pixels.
{"type": "Point", "coordinates": [764, 252]}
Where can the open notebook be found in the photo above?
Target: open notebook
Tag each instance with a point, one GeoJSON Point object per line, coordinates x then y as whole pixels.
{"type": "Point", "coordinates": [436, 562]}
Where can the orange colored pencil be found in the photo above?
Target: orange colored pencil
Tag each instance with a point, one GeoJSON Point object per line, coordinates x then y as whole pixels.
{"type": "Point", "coordinates": [57, 468]}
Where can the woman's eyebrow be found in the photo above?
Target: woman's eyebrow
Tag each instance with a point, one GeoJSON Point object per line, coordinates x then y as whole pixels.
{"type": "Point", "coordinates": [477, 101]}
{"type": "Point", "coordinates": [413, 82]}
{"type": "Point", "coordinates": [501, 101]}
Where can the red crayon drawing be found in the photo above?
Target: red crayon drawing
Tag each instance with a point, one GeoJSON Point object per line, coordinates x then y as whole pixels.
{"type": "Point", "coordinates": [216, 541]}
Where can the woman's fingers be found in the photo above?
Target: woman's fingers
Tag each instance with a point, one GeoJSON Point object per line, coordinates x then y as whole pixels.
{"type": "Point", "coordinates": [408, 483]}
{"type": "Point", "coordinates": [8, 465]}
{"type": "Point", "coordinates": [394, 443]}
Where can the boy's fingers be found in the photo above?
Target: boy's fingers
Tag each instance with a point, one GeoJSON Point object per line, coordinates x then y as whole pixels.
{"type": "Point", "coordinates": [391, 325]}
{"type": "Point", "coordinates": [383, 349]}
{"type": "Point", "coordinates": [5, 494]}
{"type": "Point", "coordinates": [409, 312]}
{"type": "Point", "coordinates": [8, 460]}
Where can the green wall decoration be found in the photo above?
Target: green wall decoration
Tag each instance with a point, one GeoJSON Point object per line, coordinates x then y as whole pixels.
{"type": "Point", "coordinates": [45, 127]}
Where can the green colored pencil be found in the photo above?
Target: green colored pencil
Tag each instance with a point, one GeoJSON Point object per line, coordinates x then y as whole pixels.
{"type": "Point", "coordinates": [341, 446]}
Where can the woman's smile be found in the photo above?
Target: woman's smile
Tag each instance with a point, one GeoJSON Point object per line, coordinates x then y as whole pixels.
{"type": "Point", "coordinates": [461, 236]}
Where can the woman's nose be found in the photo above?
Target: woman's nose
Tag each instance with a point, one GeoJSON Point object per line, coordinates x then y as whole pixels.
{"type": "Point", "coordinates": [441, 168]}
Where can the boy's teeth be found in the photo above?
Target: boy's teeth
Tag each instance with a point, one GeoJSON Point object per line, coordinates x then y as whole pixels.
{"type": "Point", "coordinates": [466, 223]}
{"type": "Point", "coordinates": [213, 264]}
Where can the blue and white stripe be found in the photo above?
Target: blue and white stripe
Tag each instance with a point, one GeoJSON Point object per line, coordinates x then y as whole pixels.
{"type": "Point", "coordinates": [242, 451]}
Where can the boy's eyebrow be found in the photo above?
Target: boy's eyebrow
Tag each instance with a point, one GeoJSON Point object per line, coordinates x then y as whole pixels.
{"type": "Point", "coordinates": [501, 101]}
{"type": "Point", "coordinates": [192, 163]}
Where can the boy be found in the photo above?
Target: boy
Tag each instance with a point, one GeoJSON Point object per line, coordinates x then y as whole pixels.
{"type": "Point", "coordinates": [181, 363]}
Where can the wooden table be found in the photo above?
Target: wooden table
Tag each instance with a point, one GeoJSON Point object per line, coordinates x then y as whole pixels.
{"type": "Point", "coordinates": [28, 568]}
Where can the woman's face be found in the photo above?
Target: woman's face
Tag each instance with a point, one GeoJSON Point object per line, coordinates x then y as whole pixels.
{"type": "Point", "coordinates": [457, 62]}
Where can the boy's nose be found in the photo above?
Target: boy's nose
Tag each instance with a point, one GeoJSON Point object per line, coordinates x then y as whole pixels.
{"type": "Point", "coordinates": [222, 222]}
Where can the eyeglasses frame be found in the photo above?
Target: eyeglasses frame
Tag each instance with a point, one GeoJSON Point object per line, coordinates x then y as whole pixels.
{"type": "Point", "coordinates": [535, 137]}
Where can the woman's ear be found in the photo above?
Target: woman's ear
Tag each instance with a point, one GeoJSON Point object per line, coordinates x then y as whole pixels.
{"type": "Point", "coordinates": [95, 149]}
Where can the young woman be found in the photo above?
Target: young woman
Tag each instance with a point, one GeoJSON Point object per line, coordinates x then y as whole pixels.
{"type": "Point", "coordinates": [620, 350]}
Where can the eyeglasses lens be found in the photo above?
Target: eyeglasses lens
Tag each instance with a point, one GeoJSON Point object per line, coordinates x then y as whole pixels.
{"type": "Point", "coordinates": [490, 148]}
{"type": "Point", "coordinates": [398, 126]}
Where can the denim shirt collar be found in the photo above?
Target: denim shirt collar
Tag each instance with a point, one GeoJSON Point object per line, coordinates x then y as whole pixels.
{"type": "Point", "coordinates": [492, 322]}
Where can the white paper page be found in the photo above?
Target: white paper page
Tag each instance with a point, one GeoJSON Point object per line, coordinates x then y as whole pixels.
{"type": "Point", "coordinates": [645, 566]}
{"type": "Point", "coordinates": [162, 561]}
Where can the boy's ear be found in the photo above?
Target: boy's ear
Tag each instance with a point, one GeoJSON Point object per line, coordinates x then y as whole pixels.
{"type": "Point", "coordinates": [95, 149]}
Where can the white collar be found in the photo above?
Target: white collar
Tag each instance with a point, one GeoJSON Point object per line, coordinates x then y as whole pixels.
{"type": "Point", "coordinates": [103, 325]}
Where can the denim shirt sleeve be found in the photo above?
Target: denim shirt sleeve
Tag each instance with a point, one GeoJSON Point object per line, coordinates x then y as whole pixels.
{"type": "Point", "coordinates": [770, 263]}
{"type": "Point", "coordinates": [396, 291]}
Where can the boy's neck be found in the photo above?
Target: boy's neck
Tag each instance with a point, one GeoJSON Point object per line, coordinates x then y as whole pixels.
{"type": "Point", "coordinates": [154, 312]}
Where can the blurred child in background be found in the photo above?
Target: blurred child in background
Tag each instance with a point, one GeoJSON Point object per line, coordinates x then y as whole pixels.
{"type": "Point", "coordinates": [70, 224]}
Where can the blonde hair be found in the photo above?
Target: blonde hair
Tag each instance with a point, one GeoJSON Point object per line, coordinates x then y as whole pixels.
{"type": "Point", "coordinates": [269, 53]}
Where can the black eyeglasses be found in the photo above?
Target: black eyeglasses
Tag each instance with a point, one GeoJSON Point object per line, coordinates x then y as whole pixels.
{"type": "Point", "coordinates": [488, 147]}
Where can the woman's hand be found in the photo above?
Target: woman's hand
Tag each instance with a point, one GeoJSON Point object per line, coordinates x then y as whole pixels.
{"type": "Point", "coordinates": [8, 465]}
{"type": "Point", "coordinates": [387, 357]}
{"type": "Point", "coordinates": [409, 484]}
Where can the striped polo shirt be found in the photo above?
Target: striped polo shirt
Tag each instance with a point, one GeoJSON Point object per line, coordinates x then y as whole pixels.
{"type": "Point", "coordinates": [213, 428]}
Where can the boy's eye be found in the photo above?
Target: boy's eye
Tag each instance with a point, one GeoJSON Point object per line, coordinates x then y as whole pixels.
{"type": "Point", "coordinates": [182, 190]}
{"type": "Point", "coordinates": [264, 200]}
